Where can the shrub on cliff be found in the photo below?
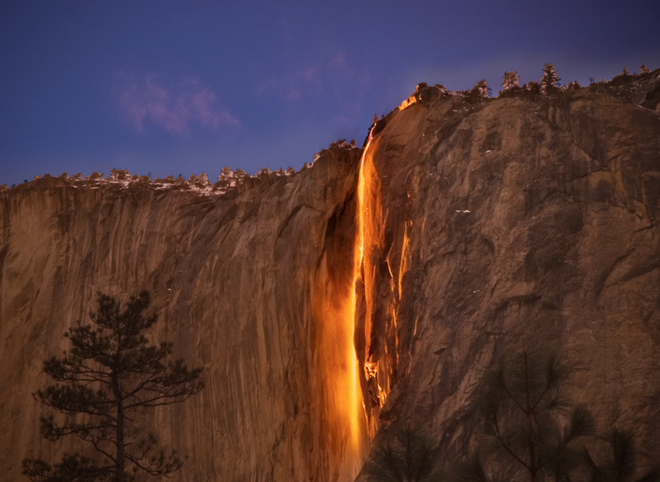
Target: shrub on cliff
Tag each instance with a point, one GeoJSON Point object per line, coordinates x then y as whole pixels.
{"type": "Point", "coordinates": [103, 384]}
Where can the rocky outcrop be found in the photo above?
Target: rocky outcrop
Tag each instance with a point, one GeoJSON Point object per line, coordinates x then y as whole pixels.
{"type": "Point", "coordinates": [484, 226]}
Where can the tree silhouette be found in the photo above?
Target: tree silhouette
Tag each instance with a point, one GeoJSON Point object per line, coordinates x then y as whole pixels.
{"type": "Point", "coordinates": [621, 464]}
{"type": "Point", "coordinates": [530, 425]}
{"type": "Point", "coordinates": [104, 383]}
{"type": "Point", "coordinates": [550, 80]}
{"type": "Point", "coordinates": [405, 455]}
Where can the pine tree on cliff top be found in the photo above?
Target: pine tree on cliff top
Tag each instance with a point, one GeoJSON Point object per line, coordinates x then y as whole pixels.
{"type": "Point", "coordinates": [481, 89]}
{"type": "Point", "coordinates": [104, 383]}
{"type": "Point", "coordinates": [510, 80]}
{"type": "Point", "coordinates": [550, 80]}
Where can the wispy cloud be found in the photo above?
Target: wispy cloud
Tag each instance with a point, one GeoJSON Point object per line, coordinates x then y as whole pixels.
{"type": "Point", "coordinates": [174, 110]}
{"type": "Point", "coordinates": [324, 77]}
{"type": "Point", "coordinates": [329, 79]}
{"type": "Point", "coordinates": [291, 86]}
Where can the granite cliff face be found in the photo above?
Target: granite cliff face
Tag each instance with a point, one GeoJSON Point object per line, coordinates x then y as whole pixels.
{"type": "Point", "coordinates": [236, 284]}
{"type": "Point", "coordinates": [525, 223]}
{"type": "Point", "coordinates": [509, 224]}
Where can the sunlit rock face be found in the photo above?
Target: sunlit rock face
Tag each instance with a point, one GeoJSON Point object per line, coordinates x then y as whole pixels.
{"type": "Point", "coordinates": [467, 230]}
{"type": "Point", "coordinates": [240, 283]}
{"type": "Point", "coordinates": [515, 224]}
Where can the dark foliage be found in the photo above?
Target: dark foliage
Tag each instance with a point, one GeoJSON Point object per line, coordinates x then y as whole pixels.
{"type": "Point", "coordinates": [108, 378]}
{"type": "Point", "coordinates": [529, 425]}
{"type": "Point", "coordinates": [528, 429]}
{"type": "Point", "coordinates": [532, 87]}
{"type": "Point", "coordinates": [573, 86]}
{"type": "Point", "coordinates": [623, 78]}
{"type": "Point", "coordinates": [478, 93]}
{"type": "Point", "coordinates": [550, 80]}
{"type": "Point", "coordinates": [407, 454]}
{"type": "Point", "coordinates": [622, 461]}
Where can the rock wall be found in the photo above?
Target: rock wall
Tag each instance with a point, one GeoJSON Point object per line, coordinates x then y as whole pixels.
{"type": "Point", "coordinates": [513, 224]}
{"type": "Point", "coordinates": [234, 281]}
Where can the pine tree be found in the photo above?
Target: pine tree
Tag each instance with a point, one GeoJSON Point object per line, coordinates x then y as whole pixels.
{"type": "Point", "coordinates": [510, 80]}
{"type": "Point", "coordinates": [621, 463]}
{"type": "Point", "coordinates": [481, 89]}
{"type": "Point", "coordinates": [550, 80]}
{"type": "Point", "coordinates": [405, 455]}
{"type": "Point", "coordinates": [479, 92]}
{"type": "Point", "coordinates": [531, 427]}
{"type": "Point", "coordinates": [104, 383]}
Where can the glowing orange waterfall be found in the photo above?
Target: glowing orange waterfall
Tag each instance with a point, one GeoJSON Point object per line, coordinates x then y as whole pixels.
{"type": "Point", "coordinates": [334, 302]}
{"type": "Point", "coordinates": [348, 416]}
{"type": "Point", "coordinates": [379, 268]}
{"type": "Point", "coordinates": [368, 215]}
{"type": "Point", "coordinates": [357, 414]}
{"type": "Point", "coordinates": [368, 250]}
{"type": "Point", "coordinates": [354, 408]}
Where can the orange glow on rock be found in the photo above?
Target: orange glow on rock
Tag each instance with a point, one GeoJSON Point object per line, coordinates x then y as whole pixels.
{"type": "Point", "coordinates": [335, 302]}
{"type": "Point", "coordinates": [404, 255]}
{"type": "Point", "coordinates": [370, 240]}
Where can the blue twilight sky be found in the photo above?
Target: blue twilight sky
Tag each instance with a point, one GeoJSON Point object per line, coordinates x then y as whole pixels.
{"type": "Point", "coordinates": [173, 87]}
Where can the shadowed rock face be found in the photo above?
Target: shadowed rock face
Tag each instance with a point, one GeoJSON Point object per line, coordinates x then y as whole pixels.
{"type": "Point", "coordinates": [518, 223]}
